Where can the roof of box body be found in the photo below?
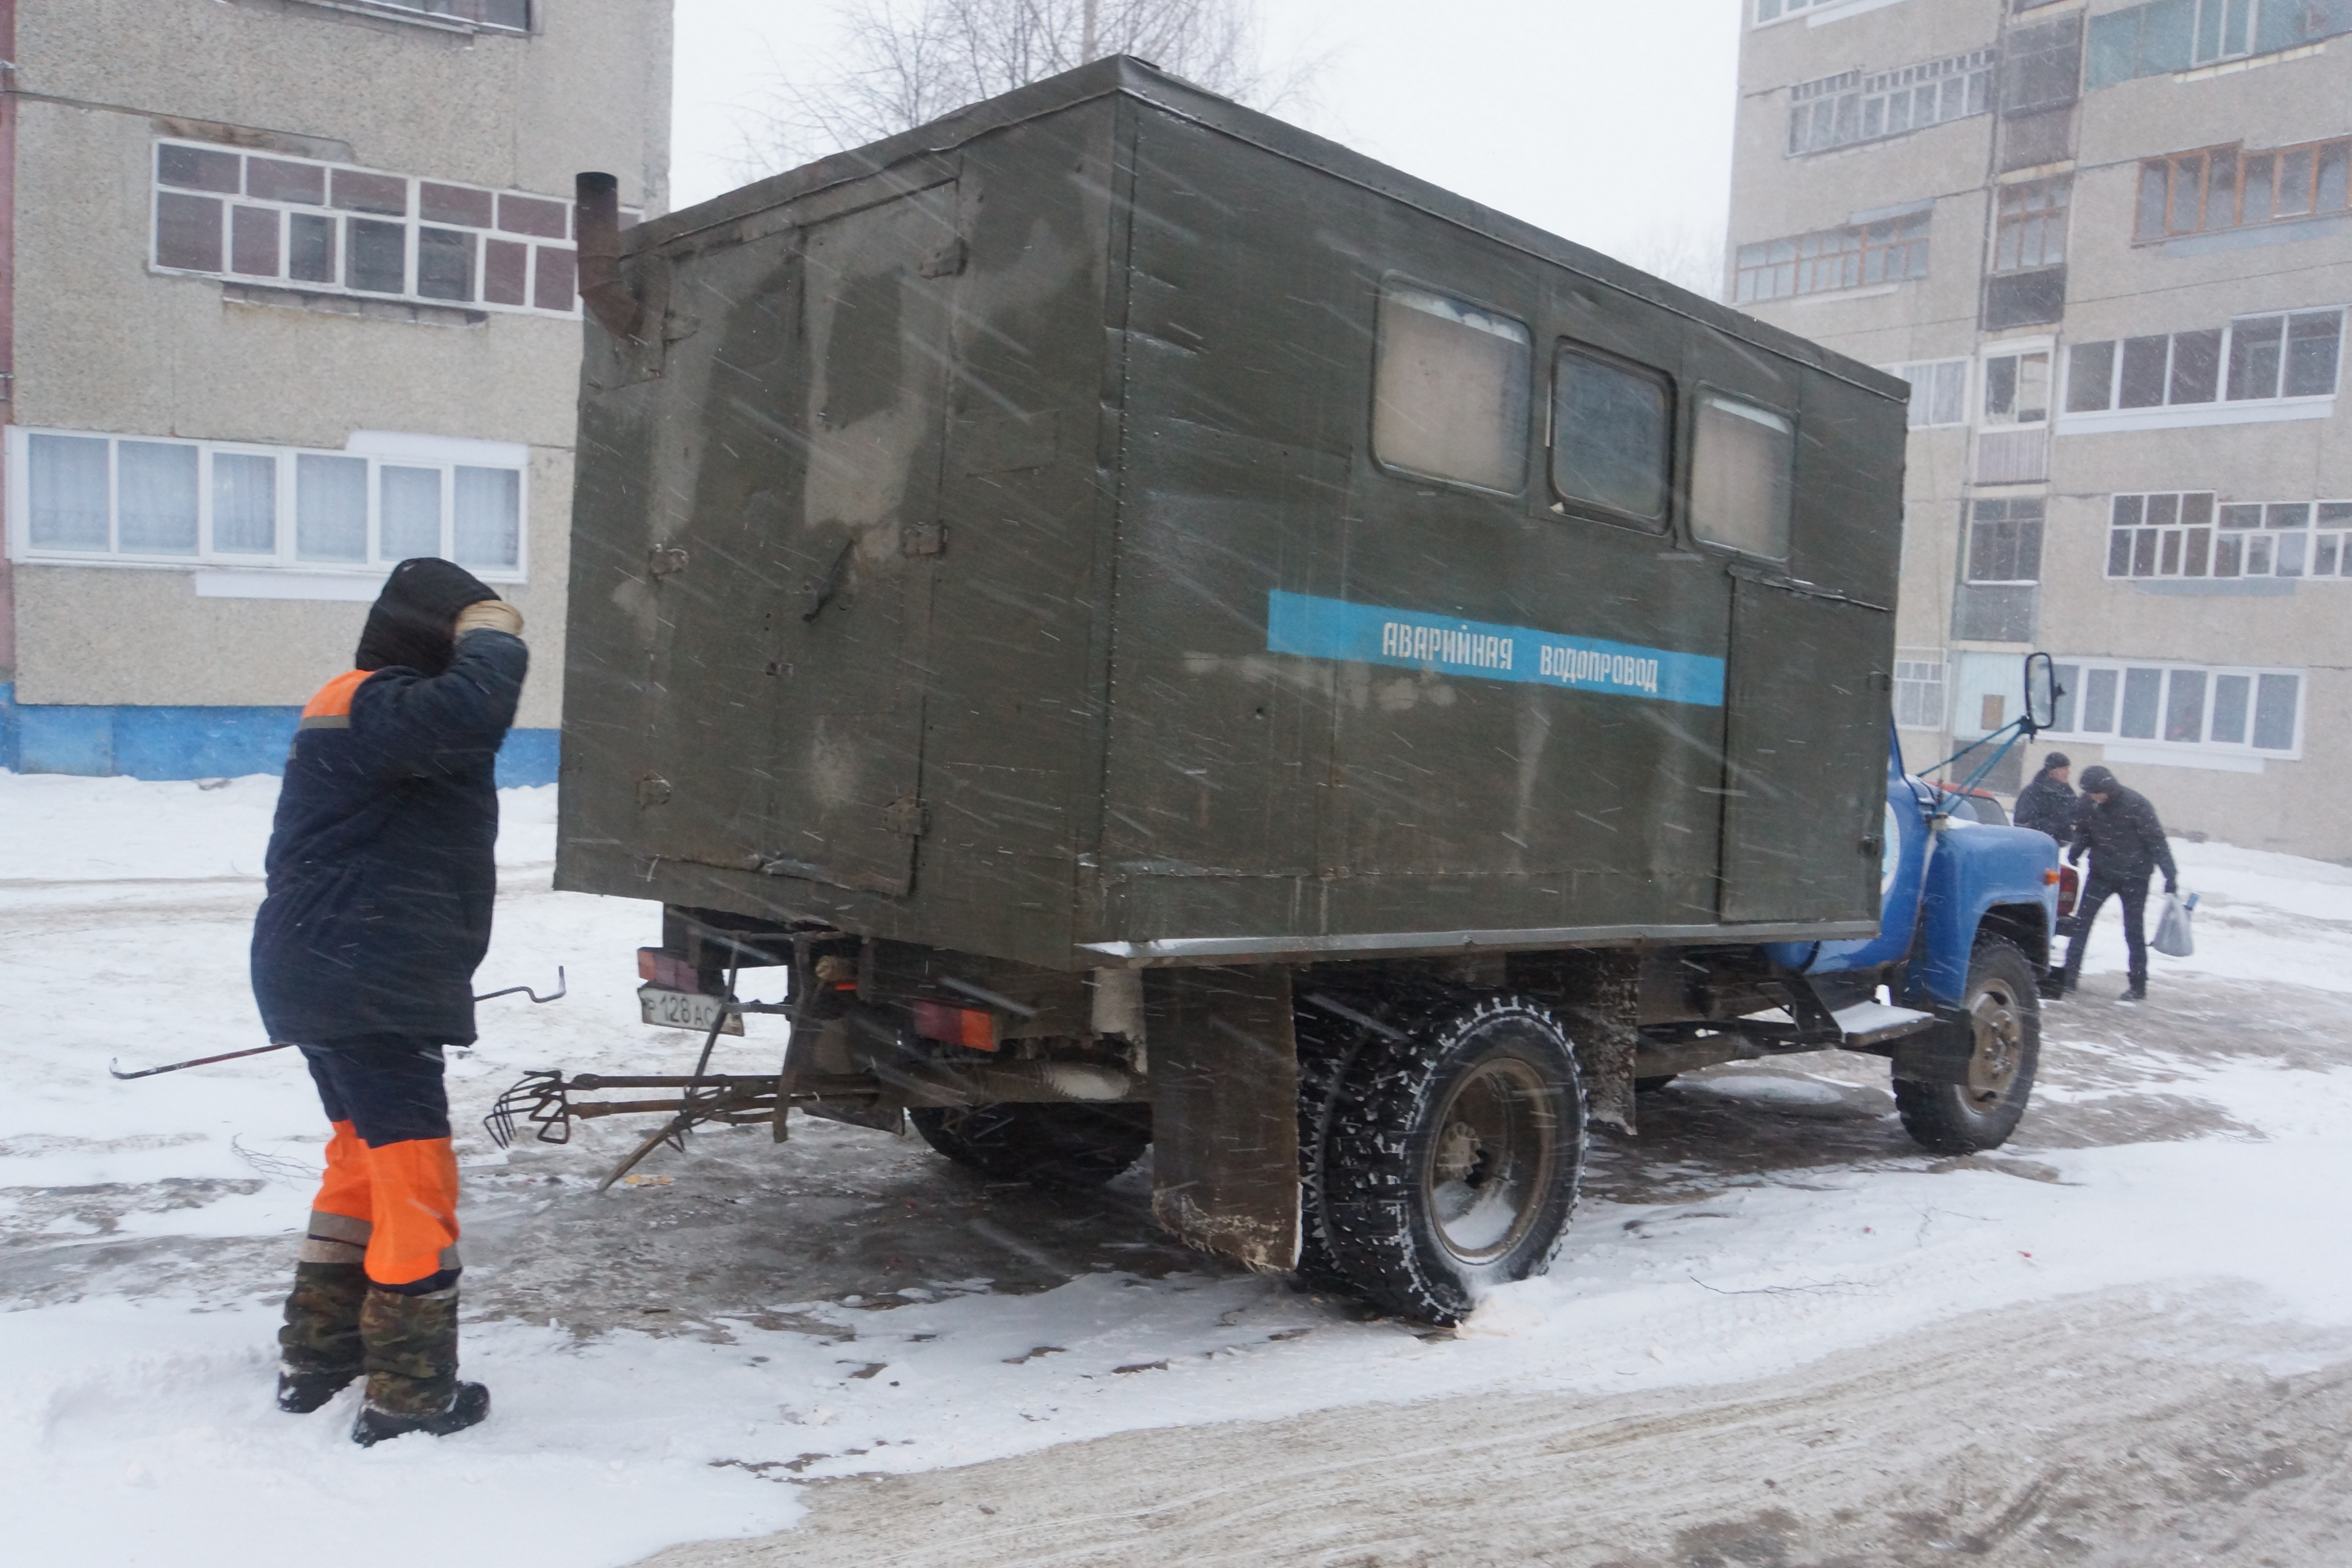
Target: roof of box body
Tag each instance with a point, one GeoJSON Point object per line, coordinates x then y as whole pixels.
{"type": "Point", "coordinates": [1172, 95]}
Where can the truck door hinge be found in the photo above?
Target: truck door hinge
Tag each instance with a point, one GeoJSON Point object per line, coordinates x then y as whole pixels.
{"type": "Point", "coordinates": [908, 817]}
{"type": "Point", "coordinates": [923, 539]}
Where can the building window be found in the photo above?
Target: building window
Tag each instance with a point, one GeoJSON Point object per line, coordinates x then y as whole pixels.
{"type": "Point", "coordinates": [2227, 187]}
{"type": "Point", "coordinates": [334, 229]}
{"type": "Point", "coordinates": [1919, 688]}
{"type": "Point", "coordinates": [2173, 35]}
{"type": "Point", "coordinates": [83, 497]}
{"type": "Point", "coordinates": [503, 15]}
{"type": "Point", "coordinates": [2225, 31]}
{"type": "Point", "coordinates": [1450, 395]}
{"type": "Point", "coordinates": [2005, 541]}
{"type": "Point", "coordinates": [2255, 359]}
{"type": "Point", "coordinates": [2031, 231]}
{"type": "Point", "coordinates": [1841, 111]}
{"type": "Point", "coordinates": [1771, 11]}
{"type": "Point", "coordinates": [2188, 535]}
{"type": "Point", "coordinates": [1940, 392]}
{"type": "Point", "coordinates": [2227, 709]}
{"type": "Point", "coordinates": [1855, 257]}
{"type": "Point", "coordinates": [2017, 389]}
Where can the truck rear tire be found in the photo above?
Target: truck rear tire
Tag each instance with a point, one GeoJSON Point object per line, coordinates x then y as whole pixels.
{"type": "Point", "coordinates": [2004, 1015]}
{"type": "Point", "coordinates": [1326, 1045]}
{"type": "Point", "coordinates": [1451, 1156]}
{"type": "Point", "coordinates": [1051, 1146]}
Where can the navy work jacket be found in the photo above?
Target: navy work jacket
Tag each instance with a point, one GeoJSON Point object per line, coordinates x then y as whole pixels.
{"type": "Point", "coordinates": [381, 866]}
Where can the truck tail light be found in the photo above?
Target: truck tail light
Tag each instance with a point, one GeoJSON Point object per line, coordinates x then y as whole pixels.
{"type": "Point", "coordinates": [971, 1028]}
{"type": "Point", "coordinates": [2049, 879]}
{"type": "Point", "coordinates": [660, 966]}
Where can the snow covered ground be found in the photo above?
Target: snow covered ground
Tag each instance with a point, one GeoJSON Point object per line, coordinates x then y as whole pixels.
{"type": "Point", "coordinates": [669, 1359]}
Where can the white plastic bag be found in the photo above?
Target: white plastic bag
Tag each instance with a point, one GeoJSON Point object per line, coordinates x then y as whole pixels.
{"type": "Point", "coordinates": [2173, 937]}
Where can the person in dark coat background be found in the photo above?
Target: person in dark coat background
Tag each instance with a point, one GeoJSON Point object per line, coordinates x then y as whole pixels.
{"type": "Point", "coordinates": [2119, 829]}
{"type": "Point", "coordinates": [381, 880]}
{"type": "Point", "coordinates": [2049, 803]}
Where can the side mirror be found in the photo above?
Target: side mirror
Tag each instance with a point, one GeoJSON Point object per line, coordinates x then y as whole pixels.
{"type": "Point", "coordinates": [2041, 694]}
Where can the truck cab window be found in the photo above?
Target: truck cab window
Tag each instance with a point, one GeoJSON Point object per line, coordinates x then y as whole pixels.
{"type": "Point", "coordinates": [1741, 476]}
{"type": "Point", "coordinates": [1612, 434]}
{"type": "Point", "coordinates": [1450, 398]}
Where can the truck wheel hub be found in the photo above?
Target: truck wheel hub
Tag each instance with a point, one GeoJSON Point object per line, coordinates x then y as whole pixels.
{"type": "Point", "coordinates": [1491, 1163]}
{"type": "Point", "coordinates": [2000, 1046]}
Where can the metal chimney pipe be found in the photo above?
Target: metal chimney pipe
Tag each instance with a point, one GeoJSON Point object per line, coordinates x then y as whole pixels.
{"type": "Point", "coordinates": [596, 227]}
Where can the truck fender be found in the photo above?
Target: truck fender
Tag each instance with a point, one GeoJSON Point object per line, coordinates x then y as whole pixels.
{"type": "Point", "coordinates": [1980, 876]}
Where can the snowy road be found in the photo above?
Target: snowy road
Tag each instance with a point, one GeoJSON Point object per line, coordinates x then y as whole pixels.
{"type": "Point", "coordinates": [2077, 1335]}
{"type": "Point", "coordinates": [2100, 1431]}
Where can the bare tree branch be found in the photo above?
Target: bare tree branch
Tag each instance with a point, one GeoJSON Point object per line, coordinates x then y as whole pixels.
{"type": "Point", "coordinates": [900, 63]}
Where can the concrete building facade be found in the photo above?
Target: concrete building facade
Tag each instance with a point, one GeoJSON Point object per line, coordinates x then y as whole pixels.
{"type": "Point", "coordinates": [2110, 244]}
{"type": "Point", "coordinates": [289, 296]}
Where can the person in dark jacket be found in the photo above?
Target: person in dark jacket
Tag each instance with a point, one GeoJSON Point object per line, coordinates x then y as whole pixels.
{"type": "Point", "coordinates": [2049, 803]}
{"type": "Point", "coordinates": [2126, 844]}
{"type": "Point", "coordinates": [381, 879]}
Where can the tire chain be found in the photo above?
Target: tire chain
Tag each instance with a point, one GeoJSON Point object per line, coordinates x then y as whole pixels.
{"type": "Point", "coordinates": [1326, 1045]}
{"type": "Point", "coordinates": [1368, 1191]}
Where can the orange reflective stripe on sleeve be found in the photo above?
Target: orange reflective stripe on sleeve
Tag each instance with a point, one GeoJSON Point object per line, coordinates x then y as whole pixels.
{"type": "Point", "coordinates": [330, 709]}
{"type": "Point", "coordinates": [414, 1185]}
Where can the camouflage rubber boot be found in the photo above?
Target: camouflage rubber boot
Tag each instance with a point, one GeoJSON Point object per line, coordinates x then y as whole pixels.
{"type": "Point", "coordinates": [412, 1369]}
{"type": "Point", "coordinates": [319, 1349]}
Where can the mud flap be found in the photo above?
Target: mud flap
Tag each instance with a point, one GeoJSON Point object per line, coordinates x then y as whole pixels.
{"type": "Point", "coordinates": [1598, 997]}
{"type": "Point", "coordinates": [1940, 1055]}
{"type": "Point", "coordinates": [1603, 1024]}
{"type": "Point", "coordinates": [1225, 1111]}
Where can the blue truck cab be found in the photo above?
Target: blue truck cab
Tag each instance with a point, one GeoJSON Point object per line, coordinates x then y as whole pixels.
{"type": "Point", "coordinates": [1948, 988]}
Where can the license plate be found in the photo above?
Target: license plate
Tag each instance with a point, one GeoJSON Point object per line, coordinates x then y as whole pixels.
{"type": "Point", "coordinates": [684, 1010]}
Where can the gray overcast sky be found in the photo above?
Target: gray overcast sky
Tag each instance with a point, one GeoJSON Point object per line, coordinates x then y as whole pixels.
{"type": "Point", "coordinates": [1605, 120]}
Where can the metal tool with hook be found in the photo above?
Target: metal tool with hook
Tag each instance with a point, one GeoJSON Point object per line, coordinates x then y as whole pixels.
{"type": "Point", "coordinates": [561, 986]}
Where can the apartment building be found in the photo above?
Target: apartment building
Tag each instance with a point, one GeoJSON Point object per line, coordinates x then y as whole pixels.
{"type": "Point", "coordinates": [2110, 246]}
{"type": "Point", "coordinates": [288, 295]}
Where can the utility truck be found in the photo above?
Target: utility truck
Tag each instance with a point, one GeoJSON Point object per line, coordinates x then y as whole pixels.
{"type": "Point", "coordinates": [1142, 628]}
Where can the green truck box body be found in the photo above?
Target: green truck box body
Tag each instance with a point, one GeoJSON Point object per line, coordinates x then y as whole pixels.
{"type": "Point", "coordinates": [987, 547]}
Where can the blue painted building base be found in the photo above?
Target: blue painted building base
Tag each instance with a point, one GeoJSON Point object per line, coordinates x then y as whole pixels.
{"type": "Point", "coordinates": [194, 743]}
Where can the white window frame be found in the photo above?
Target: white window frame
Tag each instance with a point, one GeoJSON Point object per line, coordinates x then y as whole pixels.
{"type": "Point", "coordinates": [2261, 539]}
{"type": "Point", "coordinates": [2114, 740]}
{"type": "Point", "coordinates": [1873, 99]}
{"type": "Point", "coordinates": [2020, 350]}
{"type": "Point", "coordinates": [1913, 679]}
{"type": "Point", "coordinates": [2223, 409]}
{"type": "Point", "coordinates": [411, 220]}
{"type": "Point", "coordinates": [1772, 12]}
{"type": "Point", "coordinates": [418, 12]}
{"type": "Point", "coordinates": [1940, 374]}
{"type": "Point", "coordinates": [377, 449]}
{"type": "Point", "coordinates": [2216, 23]}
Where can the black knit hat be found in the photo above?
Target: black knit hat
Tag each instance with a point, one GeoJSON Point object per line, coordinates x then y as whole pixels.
{"type": "Point", "coordinates": [410, 622]}
{"type": "Point", "coordinates": [2056, 760]}
{"type": "Point", "coordinates": [2096, 780]}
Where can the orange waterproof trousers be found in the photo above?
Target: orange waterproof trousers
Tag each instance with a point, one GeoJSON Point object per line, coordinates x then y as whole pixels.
{"type": "Point", "coordinates": [389, 1199]}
